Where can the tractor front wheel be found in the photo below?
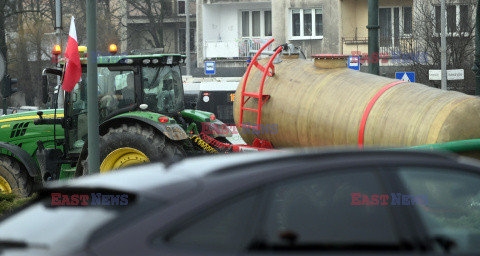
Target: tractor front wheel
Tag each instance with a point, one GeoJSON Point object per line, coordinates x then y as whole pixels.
{"type": "Point", "coordinates": [134, 144]}
{"type": "Point", "coordinates": [14, 177]}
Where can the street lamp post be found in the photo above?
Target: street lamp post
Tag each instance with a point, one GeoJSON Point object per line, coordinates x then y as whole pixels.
{"type": "Point", "coordinates": [92, 91]}
{"type": "Point", "coordinates": [187, 36]}
{"type": "Point", "coordinates": [476, 64]}
{"type": "Point", "coordinates": [58, 32]}
{"type": "Point", "coordinates": [373, 68]}
{"type": "Point", "coordinates": [443, 46]}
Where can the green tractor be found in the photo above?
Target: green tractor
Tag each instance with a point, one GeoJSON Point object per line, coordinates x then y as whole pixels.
{"type": "Point", "coordinates": [18, 147]}
{"type": "Point", "coordinates": [142, 118]}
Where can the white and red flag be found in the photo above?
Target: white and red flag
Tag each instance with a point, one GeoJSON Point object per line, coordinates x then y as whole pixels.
{"type": "Point", "coordinates": [73, 71]}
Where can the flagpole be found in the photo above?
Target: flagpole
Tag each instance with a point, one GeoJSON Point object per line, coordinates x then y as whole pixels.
{"type": "Point", "coordinates": [92, 91]}
{"type": "Point", "coordinates": [58, 27]}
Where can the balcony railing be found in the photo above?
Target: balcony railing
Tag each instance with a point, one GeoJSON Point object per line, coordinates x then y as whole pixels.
{"type": "Point", "coordinates": [247, 45]}
{"type": "Point", "coordinates": [390, 47]}
{"type": "Point", "coordinates": [234, 49]}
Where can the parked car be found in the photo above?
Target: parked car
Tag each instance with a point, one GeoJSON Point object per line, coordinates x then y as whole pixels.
{"type": "Point", "coordinates": [354, 202]}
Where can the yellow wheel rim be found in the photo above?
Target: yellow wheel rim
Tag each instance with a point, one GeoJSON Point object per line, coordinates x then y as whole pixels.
{"type": "Point", "coordinates": [123, 157]}
{"type": "Point", "coordinates": [4, 186]}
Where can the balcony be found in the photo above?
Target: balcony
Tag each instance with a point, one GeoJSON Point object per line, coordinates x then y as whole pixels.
{"type": "Point", "coordinates": [392, 50]}
{"type": "Point", "coordinates": [234, 49]}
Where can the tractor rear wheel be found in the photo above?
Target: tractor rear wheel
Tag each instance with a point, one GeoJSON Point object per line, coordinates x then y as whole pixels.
{"type": "Point", "coordinates": [134, 144]}
{"type": "Point", "coordinates": [14, 177]}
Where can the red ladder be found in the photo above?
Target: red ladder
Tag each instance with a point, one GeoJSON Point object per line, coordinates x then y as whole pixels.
{"type": "Point", "coordinates": [269, 70]}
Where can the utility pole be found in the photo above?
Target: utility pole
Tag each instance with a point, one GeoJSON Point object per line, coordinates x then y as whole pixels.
{"type": "Point", "coordinates": [58, 32]}
{"type": "Point", "coordinates": [3, 70]}
{"type": "Point", "coordinates": [187, 39]}
{"type": "Point", "coordinates": [373, 49]}
{"type": "Point", "coordinates": [92, 89]}
{"type": "Point", "coordinates": [443, 46]}
{"type": "Point", "coordinates": [476, 64]}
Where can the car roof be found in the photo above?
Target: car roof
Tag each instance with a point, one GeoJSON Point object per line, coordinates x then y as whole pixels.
{"type": "Point", "coordinates": [149, 177]}
{"type": "Point", "coordinates": [157, 174]}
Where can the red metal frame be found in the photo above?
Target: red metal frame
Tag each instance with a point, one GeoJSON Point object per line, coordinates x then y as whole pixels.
{"type": "Point", "coordinates": [258, 145]}
{"type": "Point", "coordinates": [269, 70]}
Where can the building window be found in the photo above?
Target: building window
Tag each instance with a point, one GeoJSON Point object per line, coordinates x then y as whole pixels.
{"type": "Point", "coordinates": [181, 6]}
{"type": "Point", "coordinates": [245, 24]}
{"type": "Point", "coordinates": [256, 24]}
{"type": "Point", "coordinates": [451, 18]}
{"type": "Point", "coordinates": [306, 23]}
{"type": "Point", "coordinates": [182, 40]}
{"type": "Point", "coordinates": [268, 23]}
{"type": "Point", "coordinates": [457, 17]}
{"type": "Point", "coordinates": [407, 20]}
{"type": "Point", "coordinates": [394, 22]}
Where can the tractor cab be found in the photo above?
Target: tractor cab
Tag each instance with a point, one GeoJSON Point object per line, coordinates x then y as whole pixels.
{"type": "Point", "coordinates": [125, 83]}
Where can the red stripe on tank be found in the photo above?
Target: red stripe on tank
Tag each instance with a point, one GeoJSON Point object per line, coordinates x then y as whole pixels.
{"type": "Point", "coordinates": [361, 132]}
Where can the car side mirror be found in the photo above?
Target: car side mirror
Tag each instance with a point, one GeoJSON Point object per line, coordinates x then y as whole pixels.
{"type": "Point", "coordinates": [44, 89]}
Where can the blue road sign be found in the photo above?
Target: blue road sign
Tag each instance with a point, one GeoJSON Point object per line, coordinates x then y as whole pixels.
{"type": "Point", "coordinates": [209, 67]}
{"type": "Point", "coordinates": [354, 62]}
{"type": "Point", "coordinates": [405, 76]}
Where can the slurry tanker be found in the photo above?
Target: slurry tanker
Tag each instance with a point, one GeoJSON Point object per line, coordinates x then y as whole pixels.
{"type": "Point", "coordinates": [293, 102]}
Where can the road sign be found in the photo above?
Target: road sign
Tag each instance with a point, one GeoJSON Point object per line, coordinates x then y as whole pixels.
{"type": "Point", "coordinates": [455, 74]}
{"type": "Point", "coordinates": [452, 74]}
{"type": "Point", "coordinates": [435, 74]}
{"type": "Point", "coordinates": [209, 67]}
{"type": "Point", "coordinates": [405, 76]}
{"type": "Point", "coordinates": [353, 62]}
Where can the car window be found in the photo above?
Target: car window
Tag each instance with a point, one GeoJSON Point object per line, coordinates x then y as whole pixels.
{"type": "Point", "coordinates": [57, 224]}
{"type": "Point", "coordinates": [220, 229]}
{"type": "Point", "coordinates": [317, 212]}
{"type": "Point", "coordinates": [450, 206]}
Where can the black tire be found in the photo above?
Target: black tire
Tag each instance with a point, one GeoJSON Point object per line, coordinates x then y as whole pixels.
{"type": "Point", "coordinates": [150, 142]}
{"type": "Point", "coordinates": [16, 176]}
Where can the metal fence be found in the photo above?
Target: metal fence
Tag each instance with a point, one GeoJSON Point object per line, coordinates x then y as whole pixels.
{"type": "Point", "coordinates": [234, 49]}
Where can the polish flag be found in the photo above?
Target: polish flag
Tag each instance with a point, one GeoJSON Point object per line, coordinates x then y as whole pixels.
{"type": "Point", "coordinates": [73, 71]}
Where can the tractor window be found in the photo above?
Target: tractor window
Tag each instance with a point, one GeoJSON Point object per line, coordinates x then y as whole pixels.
{"type": "Point", "coordinates": [115, 91]}
{"type": "Point", "coordinates": [163, 90]}
{"type": "Point", "coordinates": [78, 111]}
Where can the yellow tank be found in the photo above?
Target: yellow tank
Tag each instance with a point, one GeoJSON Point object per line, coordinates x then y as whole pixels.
{"type": "Point", "coordinates": [310, 105]}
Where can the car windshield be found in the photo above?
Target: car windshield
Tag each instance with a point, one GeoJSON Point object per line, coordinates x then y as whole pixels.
{"type": "Point", "coordinates": [162, 88]}
{"type": "Point", "coordinates": [449, 205]}
{"type": "Point", "coordinates": [57, 224]}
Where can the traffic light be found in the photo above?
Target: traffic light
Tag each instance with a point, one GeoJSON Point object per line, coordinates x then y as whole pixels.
{"type": "Point", "coordinates": [7, 88]}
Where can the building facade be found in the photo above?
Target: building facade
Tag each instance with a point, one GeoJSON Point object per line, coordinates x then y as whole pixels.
{"type": "Point", "coordinates": [161, 25]}
{"type": "Point", "coordinates": [313, 25]}
{"type": "Point", "coordinates": [229, 29]}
